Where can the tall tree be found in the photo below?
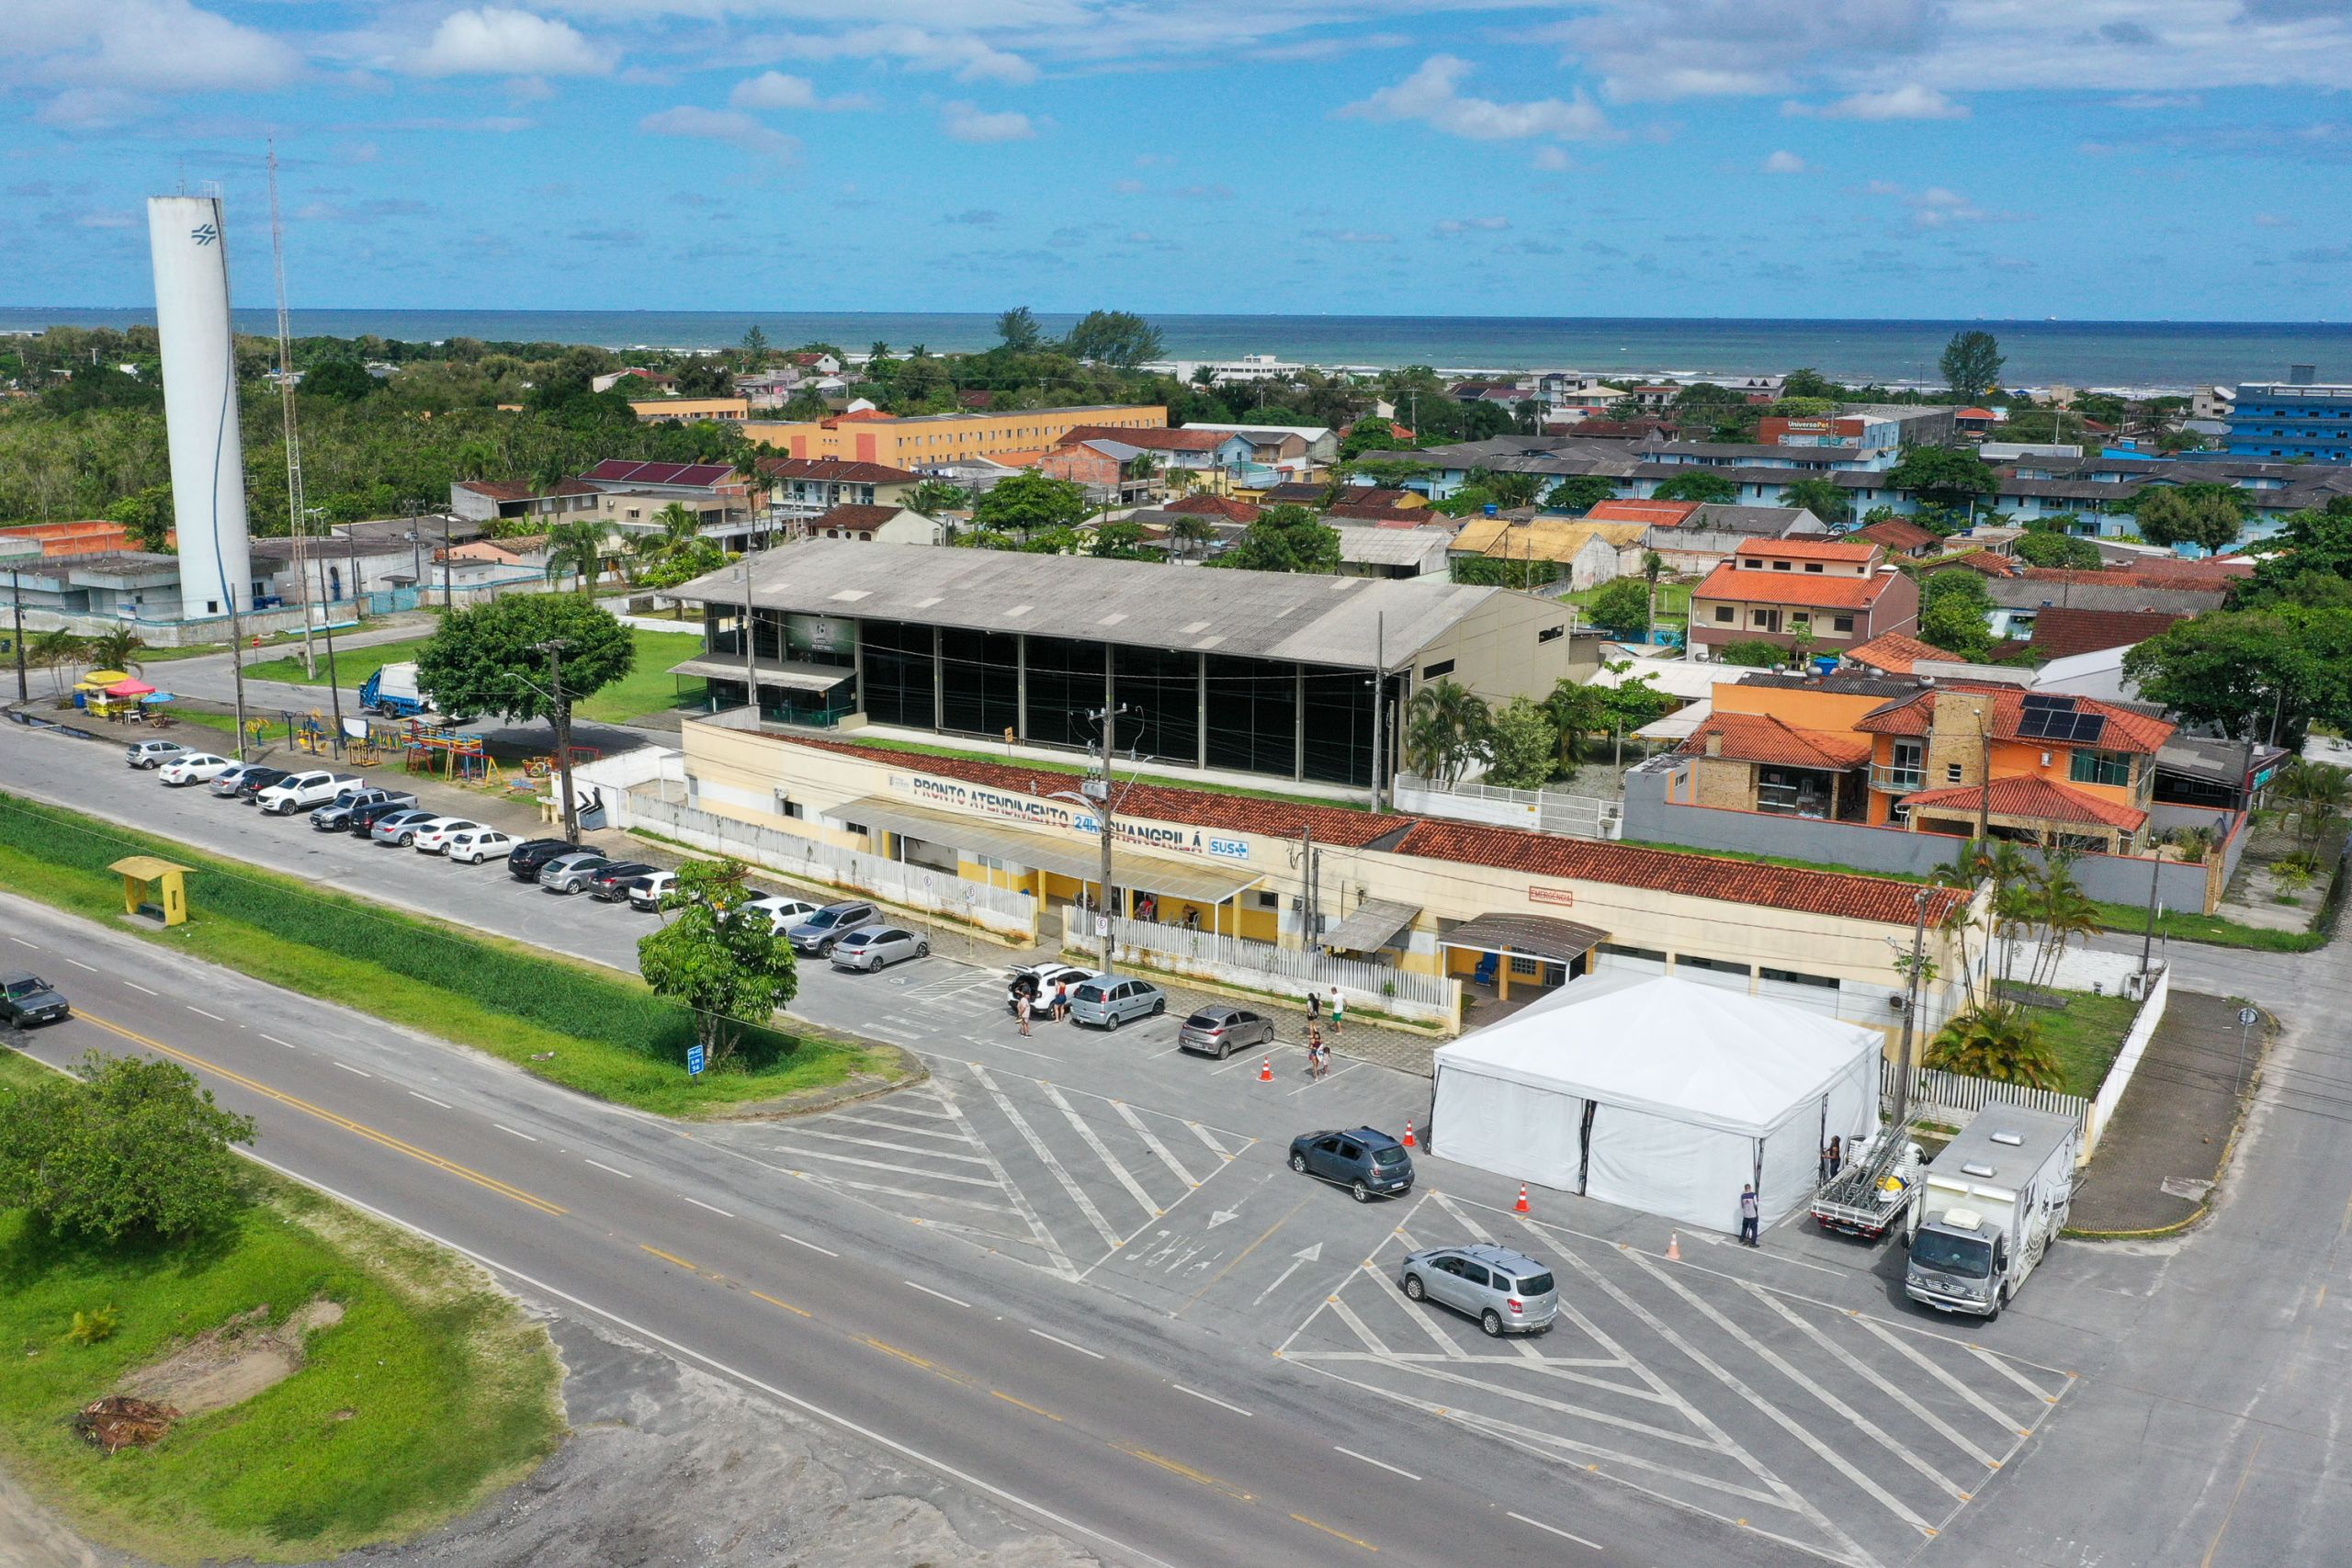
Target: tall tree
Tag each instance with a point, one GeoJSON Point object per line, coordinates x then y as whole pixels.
{"type": "Point", "coordinates": [1698, 484]}
{"type": "Point", "coordinates": [1029, 502]}
{"type": "Point", "coordinates": [146, 515]}
{"type": "Point", "coordinates": [1944, 476]}
{"type": "Point", "coordinates": [576, 549]}
{"type": "Point", "coordinates": [491, 658]}
{"type": "Point", "coordinates": [1284, 538]}
{"type": "Point", "coordinates": [2244, 671]}
{"type": "Point", "coordinates": [1522, 746]}
{"type": "Point", "coordinates": [1953, 607]}
{"type": "Point", "coordinates": [1119, 338]}
{"type": "Point", "coordinates": [1017, 329]}
{"type": "Point", "coordinates": [754, 347]}
{"type": "Point", "coordinates": [720, 956]}
{"type": "Point", "coordinates": [1445, 730]}
{"type": "Point", "coordinates": [1971, 365]}
{"type": "Point", "coordinates": [2209, 516]}
{"type": "Point", "coordinates": [934, 497]}
{"type": "Point", "coordinates": [137, 1147]}
{"type": "Point", "coordinates": [1826, 499]}
{"type": "Point", "coordinates": [1622, 607]}
{"type": "Point", "coordinates": [1580, 493]}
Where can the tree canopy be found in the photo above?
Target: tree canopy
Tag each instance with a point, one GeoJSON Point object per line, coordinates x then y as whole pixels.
{"type": "Point", "coordinates": [488, 658]}
{"type": "Point", "coordinates": [1947, 476]}
{"type": "Point", "coordinates": [1018, 330]}
{"type": "Point", "coordinates": [1971, 365]}
{"type": "Point", "coordinates": [1113, 337]}
{"type": "Point", "coordinates": [2209, 516]}
{"type": "Point", "coordinates": [1953, 605]}
{"type": "Point", "coordinates": [1580, 493]}
{"type": "Point", "coordinates": [2060, 551]}
{"type": "Point", "coordinates": [1622, 607]}
{"type": "Point", "coordinates": [2245, 670]}
{"type": "Point", "coordinates": [1701, 485]}
{"type": "Point", "coordinates": [1521, 745]}
{"type": "Point", "coordinates": [720, 956]}
{"type": "Point", "coordinates": [1826, 499]}
{"type": "Point", "coordinates": [1283, 539]}
{"type": "Point", "coordinates": [1023, 503]}
{"type": "Point", "coordinates": [137, 1147]}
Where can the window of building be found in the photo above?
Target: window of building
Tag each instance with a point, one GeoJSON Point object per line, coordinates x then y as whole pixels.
{"type": "Point", "coordinates": [1760, 617]}
{"type": "Point", "coordinates": [1792, 977]}
{"type": "Point", "coordinates": [1263, 899]}
{"type": "Point", "coordinates": [1710, 965]}
{"type": "Point", "coordinates": [1813, 565]}
{"type": "Point", "coordinates": [787, 807]}
{"type": "Point", "coordinates": [1253, 705]}
{"type": "Point", "coordinates": [2100, 767]}
{"type": "Point", "coordinates": [1951, 773]}
{"type": "Point", "coordinates": [1551, 634]}
{"type": "Point", "coordinates": [1841, 622]}
{"type": "Point", "coordinates": [1164, 685]}
{"type": "Point", "coordinates": [1751, 565]}
{"type": "Point", "coordinates": [1647, 955]}
{"type": "Point", "coordinates": [1780, 566]}
{"type": "Point", "coordinates": [979, 681]}
{"type": "Point", "coordinates": [898, 673]}
{"type": "Point", "coordinates": [1725, 613]}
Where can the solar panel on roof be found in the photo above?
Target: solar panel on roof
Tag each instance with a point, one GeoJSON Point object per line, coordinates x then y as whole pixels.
{"type": "Point", "coordinates": [2089, 727]}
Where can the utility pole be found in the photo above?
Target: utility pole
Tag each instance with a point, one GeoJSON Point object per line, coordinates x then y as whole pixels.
{"type": "Point", "coordinates": [2148, 937]}
{"type": "Point", "coordinates": [1379, 701]}
{"type": "Point", "coordinates": [237, 661]}
{"type": "Point", "coordinates": [326, 629]}
{"type": "Point", "coordinates": [447, 602]}
{"type": "Point", "coordinates": [561, 712]}
{"type": "Point", "coordinates": [751, 678]}
{"type": "Point", "coordinates": [295, 513]}
{"type": "Point", "coordinates": [1902, 1113]}
{"type": "Point", "coordinates": [1984, 777]}
{"type": "Point", "coordinates": [1096, 792]}
{"type": "Point", "coordinates": [16, 607]}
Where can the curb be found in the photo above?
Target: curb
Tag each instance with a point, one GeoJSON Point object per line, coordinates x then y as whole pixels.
{"type": "Point", "coordinates": [2221, 1167]}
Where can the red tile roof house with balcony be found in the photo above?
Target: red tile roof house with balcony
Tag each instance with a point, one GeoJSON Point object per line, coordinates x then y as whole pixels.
{"type": "Point", "coordinates": [1839, 593]}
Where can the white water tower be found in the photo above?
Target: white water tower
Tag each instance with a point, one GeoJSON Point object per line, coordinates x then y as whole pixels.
{"type": "Point", "coordinates": [190, 248]}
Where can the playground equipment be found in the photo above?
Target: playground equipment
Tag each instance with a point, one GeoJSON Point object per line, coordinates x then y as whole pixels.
{"type": "Point", "coordinates": [456, 756]}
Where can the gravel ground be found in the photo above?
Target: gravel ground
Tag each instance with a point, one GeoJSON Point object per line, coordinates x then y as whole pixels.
{"type": "Point", "coordinates": [669, 1467]}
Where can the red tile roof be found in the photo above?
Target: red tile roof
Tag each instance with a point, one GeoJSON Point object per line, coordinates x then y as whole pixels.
{"type": "Point", "coordinates": [2028, 795]}
{"type": "Point", "coordinates": [1896, 535]}
{"type": "Point", "coordinates": [1224, 506]}
{"type": "Point", "coordinates": [856, 416]}
{"type": "Point", "coordinates": [1761, 738]}
{"type": "Point", "coordinates": [1659, 513]}
{"type": "Point", "coordinates": [1897, 654]}
{"type": "Point", "coordinates": [1154, 438]}
{"type": "Point", "coordinates": [2188, 576]}
{"type": "Point", "coordinates": [1984, 562]}
{"type": "Point", "coordinates": [1745, 586]}
{"type": "Point", "coordinates": [839, 470]}
{"type": "Point", "coordinates": [1854, 897]}
{"type": "Point", "coordinates": [853, 518]}
{"type": "Point", "coordinates": [1808, 550]}
{"type": "Point", "coordinates": [2059, 631]}
{"type": "Point", "coordinates": [625, 470]}
{"type": "Point", "coordinates": [1397, 516]}
{"type": "Point", "coordinates": [1973, 414]}
{"type": "Point", "coordinates": [2127, 729]}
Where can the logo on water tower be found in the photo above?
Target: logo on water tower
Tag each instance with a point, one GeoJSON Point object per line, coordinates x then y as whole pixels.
{"type": "Point", "coordinates": [204, 234]}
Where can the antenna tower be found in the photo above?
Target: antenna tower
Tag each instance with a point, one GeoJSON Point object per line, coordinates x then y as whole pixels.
{"type": "Point", "coordinates": [294, 519]}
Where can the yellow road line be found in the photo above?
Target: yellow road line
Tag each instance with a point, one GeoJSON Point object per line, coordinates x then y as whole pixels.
{"type": "Point", "coordinates": [439, 1162]}
{"type": "Point", "coordinates": [785, 1306]}
{"type": "Point", "coordinates": [669, 1257]}
{"type": "Point", "coordinates": [1024, 1404]}
{"type": "Point", "coordinates": [1177, 1467]}
{"type": "Point", "coordinates": [1326, 1529]}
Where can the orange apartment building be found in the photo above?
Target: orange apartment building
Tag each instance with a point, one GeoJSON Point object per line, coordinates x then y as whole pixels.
{"type": "Point", "coordinates": [1837, 593]}
{"type": "Point", "coordinates": [1890, 751]}
{"type": "Point", "coordinates": [90, 536]}
{"type": "Point", "coordinates": [933, 438]}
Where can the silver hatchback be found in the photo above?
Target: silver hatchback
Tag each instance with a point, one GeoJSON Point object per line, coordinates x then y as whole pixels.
{"type": "Point", "coordinates": [1507, 1291]}
{"type": "Point", "coordinates": [871, 947]}
{"type": "Point", "coordinates": [1111, 1002]}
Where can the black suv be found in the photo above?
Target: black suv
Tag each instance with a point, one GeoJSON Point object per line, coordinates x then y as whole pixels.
{"type": "Point", "coordinates": [608, 883]}
{"type": "Point", "coordinates": [362, 820]}
{"type": "Point", "coordinates": [252, 781]}
{"type": "Point", "coordinates": [531, 855]}
{"type": "Point", "coordinates": [27, 998]}
{"type": "Point", "coordinates": [1369, 1163]}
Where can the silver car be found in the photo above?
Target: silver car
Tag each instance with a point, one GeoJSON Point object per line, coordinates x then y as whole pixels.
{"type": "Point", "coordinates": [1507, 1291]}
{"type": "Point", "coordinates": [1110, 1002]}
{"type": "Point", "coordinates": [400, 827]}
{"type": "Point", "coordinates": [151, 753]}
{"type": "Point", "coordinates": [871, 947]}
{"type": "Point", "coordinates": [1220, 1031]}
{"type": "Point", "coordinates": [569, 873]}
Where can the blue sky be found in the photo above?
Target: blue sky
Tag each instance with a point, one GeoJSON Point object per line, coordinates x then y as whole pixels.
{"type": "Point", "coordinates": [2189, 159]}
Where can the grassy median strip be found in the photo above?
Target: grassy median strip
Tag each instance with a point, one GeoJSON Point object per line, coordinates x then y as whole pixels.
{"type": "Point", "coordinates": [431, 1395]}
{"type": "Point", "coordinates": [589, 1029]}
{"type": "Point", "coordinates": [2180, 925]}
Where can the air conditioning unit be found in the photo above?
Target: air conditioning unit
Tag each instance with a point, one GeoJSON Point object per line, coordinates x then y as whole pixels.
{"type": "Point", "coordinates": [1897, 1002]}
{"type": "Point", "coordinates": [1298, 904]}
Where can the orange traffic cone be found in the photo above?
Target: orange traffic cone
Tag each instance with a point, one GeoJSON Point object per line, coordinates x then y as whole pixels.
{"type": "Point", "coordinates": [1266, 1070]}
{"type": "Point", "coordinates": [1520, 1207]}
{"type": "Point", "coordinates": [1408, 1135]}
{"type": "Point", "coordinates": [1674, 1247]}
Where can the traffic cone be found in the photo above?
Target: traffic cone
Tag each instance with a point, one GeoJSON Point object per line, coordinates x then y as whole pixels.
{"type": "Point", "coordinates": [1520, 1207]}
{"type": "Point", "coordinates": [1408, 1135]}
{"type": "Point", "coordinates": [1674, 1247]}
{"type": "Point", "coordinates": [1266, 1069]}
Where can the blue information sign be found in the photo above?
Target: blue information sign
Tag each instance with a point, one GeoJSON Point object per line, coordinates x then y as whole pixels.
{"type": "Point", "coordinates": [694, 1060]}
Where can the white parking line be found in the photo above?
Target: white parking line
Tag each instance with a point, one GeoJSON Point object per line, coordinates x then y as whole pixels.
{"type": "Point", "coordinates": [20, 941]}
{"type": "Point", "coordinates": [1870, 1374]}
{"type": "Point", "coordinates": [349, 1068]}
{"type": "Point", "coordinates": [712, 1207]}
{"type": "Point", "coordinates": [526, 1137]}
{"type": "Point", "coordinates": [132, 984]}
{"type": "Point", "coordinates": [811, 1246]}
{"type": "Point", "coordinates": [607, 1169]}
{"type": "Point", "coordinates": [274, 1040]}
{"type": "Point", "coordinates": [1211, 1398]}
{"type": "Point", "coordinates": [1066, 1345]}
{"type": "Point", "coordinates": [79, 964]}
{"type": "Point", "coordinates": [427, 1098]}
{"type": "Point", "coordinates": [1019, 1199]}
{"type": "Point", "coordinates": [1046, 1157]}
{"type": "Point", "coordinates": [200, 1013]}
{"type": "Point", "coordinates": [1554, 1530]}
{"type": "Point", "coordinates": [1314, 1083]}
{"type": "Point", "coordinates": [1381, 1464]}
{"type": "Point", "coordinates": [943, 1295]}
{"type": "Point", "coordinates": [1102, 1152]}
{"type": "Point", "coordinates": [1210, 1139]}
{"type": "Point", "coordinates": [1939, 1374]}
{"type": "Point", "coordinates": [1127, 1115]}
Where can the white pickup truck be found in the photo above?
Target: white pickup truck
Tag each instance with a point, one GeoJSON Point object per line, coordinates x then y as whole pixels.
{"type": "Point", "coordinates": [299, 792]}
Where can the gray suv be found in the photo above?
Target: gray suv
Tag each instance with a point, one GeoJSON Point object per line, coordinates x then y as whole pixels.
{"type": "Point", "coordinates": [821, 930]}
{"type": "Point", "coordinates": [1368, 1163]}
{"type": "Point", "coordinates": [1110, 1002]}
{"type": "Point", "coordinates": [1507, 1291]}
{"type": "Point", "coordinates": [569, 873]}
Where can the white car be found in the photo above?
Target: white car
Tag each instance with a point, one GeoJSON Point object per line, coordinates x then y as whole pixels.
{"type": "Point", "coordinates": [434, 837]}
{"type": "Point", "coordinates": [647, 891]}
{"type": "Point", "coordinates": [194, 767]}
{"type": "Point", "coordinates": [475, 845]}
{"type": "Point", "coordinates": [782, 913]}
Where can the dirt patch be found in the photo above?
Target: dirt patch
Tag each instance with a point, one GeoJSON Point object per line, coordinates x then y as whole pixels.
{"type": "Point", "coordinates": [230, 1364]}
{"type": "Point", "coordinates": [118, 1422]}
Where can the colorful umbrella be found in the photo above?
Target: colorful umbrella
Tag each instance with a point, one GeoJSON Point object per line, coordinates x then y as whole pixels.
{"type": "Point", "coordinates": [127, 687]}
{"type": "Point", "coordinates": [156, 697]}
{"type": "Point", "coordinates": [101, 679]}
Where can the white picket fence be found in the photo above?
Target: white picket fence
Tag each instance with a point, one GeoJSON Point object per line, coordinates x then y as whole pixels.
{"type": "Point", "coordinates": [1548, 810]}
{"type": "Point", "coordinates": [1009, 914]}
{"type": "Point", "coordinates": [1264, 967]}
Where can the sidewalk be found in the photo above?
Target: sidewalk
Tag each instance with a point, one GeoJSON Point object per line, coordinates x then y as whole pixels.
{"type": "Point", "coordinates": [2160, 1156]}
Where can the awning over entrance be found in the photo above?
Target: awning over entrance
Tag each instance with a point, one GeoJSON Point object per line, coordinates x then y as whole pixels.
{"type": "Point", "coordinates": [1376, 924]}
{"type": "Point", "coordinates": [795, 677]}
{"type": "Point", "coordinates": [1202, 883]}
{"type": "Point", "coordinates": [1533, 936]}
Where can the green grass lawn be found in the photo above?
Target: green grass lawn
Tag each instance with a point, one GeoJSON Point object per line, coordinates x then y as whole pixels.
{"type": "Point", "coordinates": [433, 1393]}
{"type": "Point", "coordinates": [2086, 1034]}
{"type": "Point", "coordinates": [593, 1029]}
{"type": "Point", "coordinates": [2132, 919]}
{"type": "Point", "coordinates": [648, 688]}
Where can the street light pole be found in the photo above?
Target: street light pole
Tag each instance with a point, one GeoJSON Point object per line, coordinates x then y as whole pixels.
{"type": "Point", "coordinates": [16, 607]}
{"type": "Point", "coordinates": [561, 713]}
{"type": "Point", "coordinates": [326, 629]}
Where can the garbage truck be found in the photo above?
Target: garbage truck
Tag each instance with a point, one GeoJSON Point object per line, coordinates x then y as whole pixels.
{"type": "Point", "coordinates": [1989, 1206]}
{"type": "Point", "coordinates": [392, 692]}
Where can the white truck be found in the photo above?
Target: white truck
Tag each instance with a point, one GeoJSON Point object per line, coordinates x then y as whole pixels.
{"type": "Point", "coordinates": [299, 791]}
{"type": "Point", "coordinates": [1989, 1207]}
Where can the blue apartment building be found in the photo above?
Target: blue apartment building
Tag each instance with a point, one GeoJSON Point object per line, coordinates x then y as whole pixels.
{"type": "Point", "coordinates": [2300, 417]}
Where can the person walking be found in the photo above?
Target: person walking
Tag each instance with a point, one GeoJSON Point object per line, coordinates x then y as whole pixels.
{"type": "Point", "coordinates": [1339, 1013]}
{"type": "Point", "coordinates": [1315, 1007]}
{"type": "Point", "coordinates": [1061, 1002]}
{"type": "Point", "coordinates": [1316, 1056]}
{"type": "Point", "coordinates": [1749, 1215]}
{"type": "Point", "coordinates": [1836, 1156]}
{"type": "Point", "coordinates": [1023, 1011]}
{"type": "Point", "coordinates": [1828, 1161]}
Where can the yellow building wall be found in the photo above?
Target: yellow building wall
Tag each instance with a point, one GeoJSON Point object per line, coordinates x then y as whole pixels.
{"type": "Point", "coordinates": [903, 442]}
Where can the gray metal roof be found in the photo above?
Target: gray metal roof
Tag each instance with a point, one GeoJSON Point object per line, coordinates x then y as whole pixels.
{"type": "Point", "coordinates": [1390, 547]}
{"type": "Point", "coordinates": [1770, 522]}
{"type": "Point", "coordinates": [1264, 615]}
{"type": "Point", "coordinates": [2036, 593]}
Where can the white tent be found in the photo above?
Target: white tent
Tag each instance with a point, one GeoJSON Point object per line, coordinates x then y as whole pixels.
{"type": "Point", "coordinates": [1658, 1094]}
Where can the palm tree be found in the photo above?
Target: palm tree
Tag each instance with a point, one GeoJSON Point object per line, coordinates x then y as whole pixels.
{"type": "Point", "coordinates": [1189, 529]}
{"type": "Point", "coordinates": [116, 650]}
{"type": "Point", "coordinates": [757, 487]}
{"type": "Point", "coordinates": [577, 548]}
{"type": "Point", "coordinates": [1445, 727]}
{"type": "Point", "coordinates": [1998, 1041]}
{"type": "Point", "coordinates": [679, 531]}
{"type": "Point", "coordinates": [880, 351]}
{"type": "Point", "coordinates": [56, 652]}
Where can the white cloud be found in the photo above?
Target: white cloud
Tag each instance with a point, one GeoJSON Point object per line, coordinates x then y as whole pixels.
{"type": "Point", "coordinates": [1351, 237]}
{"type": "Point", "coordinates": [1129, 188]}
{"type": "Point", "coordinates": [94, 109]}
{"type": "Point", "coordinates": [127, 45]}
{"type": "Point", "coordinates": [2152, 101]}
{"type": "Point", "coordinates": [497, 41]}
{"type": "Point", "coordinates": [968, 58]}
{"type": "Point", "coordinates": [736, 129]}
{"type": "Point", "coordinates": [775, 90]}
{"type": "Point", "coordinates": [1554, 160]}
{"type": "Point", "coordinates": [1470, 225]}
{"type": "Point", "coordinates": [968, 122]}
{"type": "Point", "coordinates": [1784, 162]}
{"type": "Point", "coordinates": [1694, 49]}
{"type": "Point", "coordinates": [1429, 94]}
{"type": "Point", "coordinates": [1939, 207]}
{"type": "Point", "coordinates": [1910, 101]}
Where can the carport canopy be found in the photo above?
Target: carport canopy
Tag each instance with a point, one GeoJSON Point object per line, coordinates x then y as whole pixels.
{"type": "Point", "coordinates": [1376, 924]}
{"type": "Point", "coordinates": [1529, 936]}
{"type": "Point", "coordinates": [1200, 884]}
{"type": "Point", "coordinates": [795, 677]}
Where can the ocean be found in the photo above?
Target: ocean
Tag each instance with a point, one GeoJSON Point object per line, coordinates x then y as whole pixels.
{"type": "Point", "coordinates": [2137, 355]}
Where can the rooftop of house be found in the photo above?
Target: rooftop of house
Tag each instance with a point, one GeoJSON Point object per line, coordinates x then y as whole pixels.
{"type": "Point", "coordinates": [1982, 561]}
{"type": "Point", "coordinates": [1894, 533]}
{"type": "Point", "coordinates": [513, 490]}
{"type": "Point", "coordinates": [836, 470]}
{"type": "Point", "coordinates": [2029, 795]}
{"type": "Point", "coordinates": [2038, 717]}
{"type": "Point", "coordinates": [1761, 738]}
{"type": "Point", "coordinates": [1656, 513]}
{"type": "Point", "coordinates": [1363, 546]}
{"type": "Point", "coordinates": [1895, 653]}
{"type": "Point", "coordinates": [1763, 521]}
{"type": "Point", "coordinates": [1842, 682]}
{"type": "Point", "coordinates": [633, 471]}
{"type": "Point", "coordinates": [853, 517]}
{"type": "Point", "coordinates": [969, 416]}
{"type": "Point", "coordinates": [1541, 539]}
{"type": "Point", "coordinates": [1810, 591]}
{"type": "Point", "coordinates": [2063, 630]}
{"type": "Point", "coordinates": [1849, 551]}
{"type": "Point", "coordinates": [1386, 517]}
{"type": "Point", "coordinates": [2030, 593]}
{"type": "Point", "coordinates": [1204, 505]}
{"type": "Point", "coordinates": [1153, 438]}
